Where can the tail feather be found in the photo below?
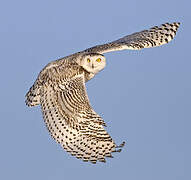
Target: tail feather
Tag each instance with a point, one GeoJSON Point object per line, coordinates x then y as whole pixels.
{"type": "Point", "coordinates": [33, 96]}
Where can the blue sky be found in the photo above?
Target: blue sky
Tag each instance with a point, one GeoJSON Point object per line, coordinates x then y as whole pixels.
{"type": "Point", "coordinates": [143, 96]}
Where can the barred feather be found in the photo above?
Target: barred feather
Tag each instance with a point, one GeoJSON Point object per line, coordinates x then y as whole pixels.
{"type": "Point", "coordinates": [155, 36]}
{"type": "Point", "coordinates": [33, 96]}
{"type": "Point", "coordinates": [72, 122]}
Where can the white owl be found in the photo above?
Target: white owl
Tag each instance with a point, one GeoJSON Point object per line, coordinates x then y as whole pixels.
{"type": "Point", "coordinates": [61, 92]}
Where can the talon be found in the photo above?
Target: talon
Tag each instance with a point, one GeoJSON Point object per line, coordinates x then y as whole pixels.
{"type": "Point", "coordinates": [121, 145]}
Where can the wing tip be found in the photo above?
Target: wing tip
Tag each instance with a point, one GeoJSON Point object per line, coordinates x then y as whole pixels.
{"type": "Point", "coordinates": [175, 24]}
{"type": "Point", "coordinates": [93, 159]}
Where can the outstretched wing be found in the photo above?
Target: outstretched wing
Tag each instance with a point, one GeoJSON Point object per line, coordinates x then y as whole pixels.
{"type": "Point", "coordinates": [73, 123]}
{"type": "Point", "coordinates": [152, 37]}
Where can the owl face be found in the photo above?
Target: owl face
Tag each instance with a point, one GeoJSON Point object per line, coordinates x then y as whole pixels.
{"type": "Point", "coordinates": [93, 62]}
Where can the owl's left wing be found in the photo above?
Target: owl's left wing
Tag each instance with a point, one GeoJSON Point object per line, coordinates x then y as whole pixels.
{"type": "Point", "coordinates": [73, 123]}
{"type": "Point", "coordinates": [152, 37]}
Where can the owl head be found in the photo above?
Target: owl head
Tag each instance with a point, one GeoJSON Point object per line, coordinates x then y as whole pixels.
{"type": "Point", "coordinates": [92, 62]}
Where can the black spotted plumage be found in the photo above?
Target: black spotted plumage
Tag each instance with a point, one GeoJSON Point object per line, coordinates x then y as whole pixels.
{"type": "Point", "coordinates": [61, 92]}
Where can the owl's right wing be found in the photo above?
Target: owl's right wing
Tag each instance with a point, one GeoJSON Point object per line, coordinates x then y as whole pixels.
{"type": "Point", "coordinates": [155, 36]}
{"type": "Point", "coordinates": [73, 123]}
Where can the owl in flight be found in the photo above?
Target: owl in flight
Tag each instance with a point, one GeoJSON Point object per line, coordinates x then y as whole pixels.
{"type": "Point", "coordinates": [60, 90]}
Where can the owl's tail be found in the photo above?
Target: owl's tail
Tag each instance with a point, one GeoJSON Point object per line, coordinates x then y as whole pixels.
{"type": "Point", "coordinates": [33, 95]}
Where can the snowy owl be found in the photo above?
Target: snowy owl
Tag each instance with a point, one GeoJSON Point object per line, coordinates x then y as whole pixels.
{"type": "Point", "coordinates": [61, 92]}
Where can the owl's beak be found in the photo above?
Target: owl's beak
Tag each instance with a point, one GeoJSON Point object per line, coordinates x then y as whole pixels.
{"type": "Point", "coordinates": [92, 66]}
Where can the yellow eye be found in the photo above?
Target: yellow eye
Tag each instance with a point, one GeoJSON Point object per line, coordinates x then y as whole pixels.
{"type": "Point", "coordinates": [88, 60]}
{"type": "Point", "coordinates": [98, 60]}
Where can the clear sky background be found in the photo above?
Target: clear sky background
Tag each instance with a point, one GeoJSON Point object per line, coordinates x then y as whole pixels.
{"type": "Point", "coordinates": [144, 96]}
